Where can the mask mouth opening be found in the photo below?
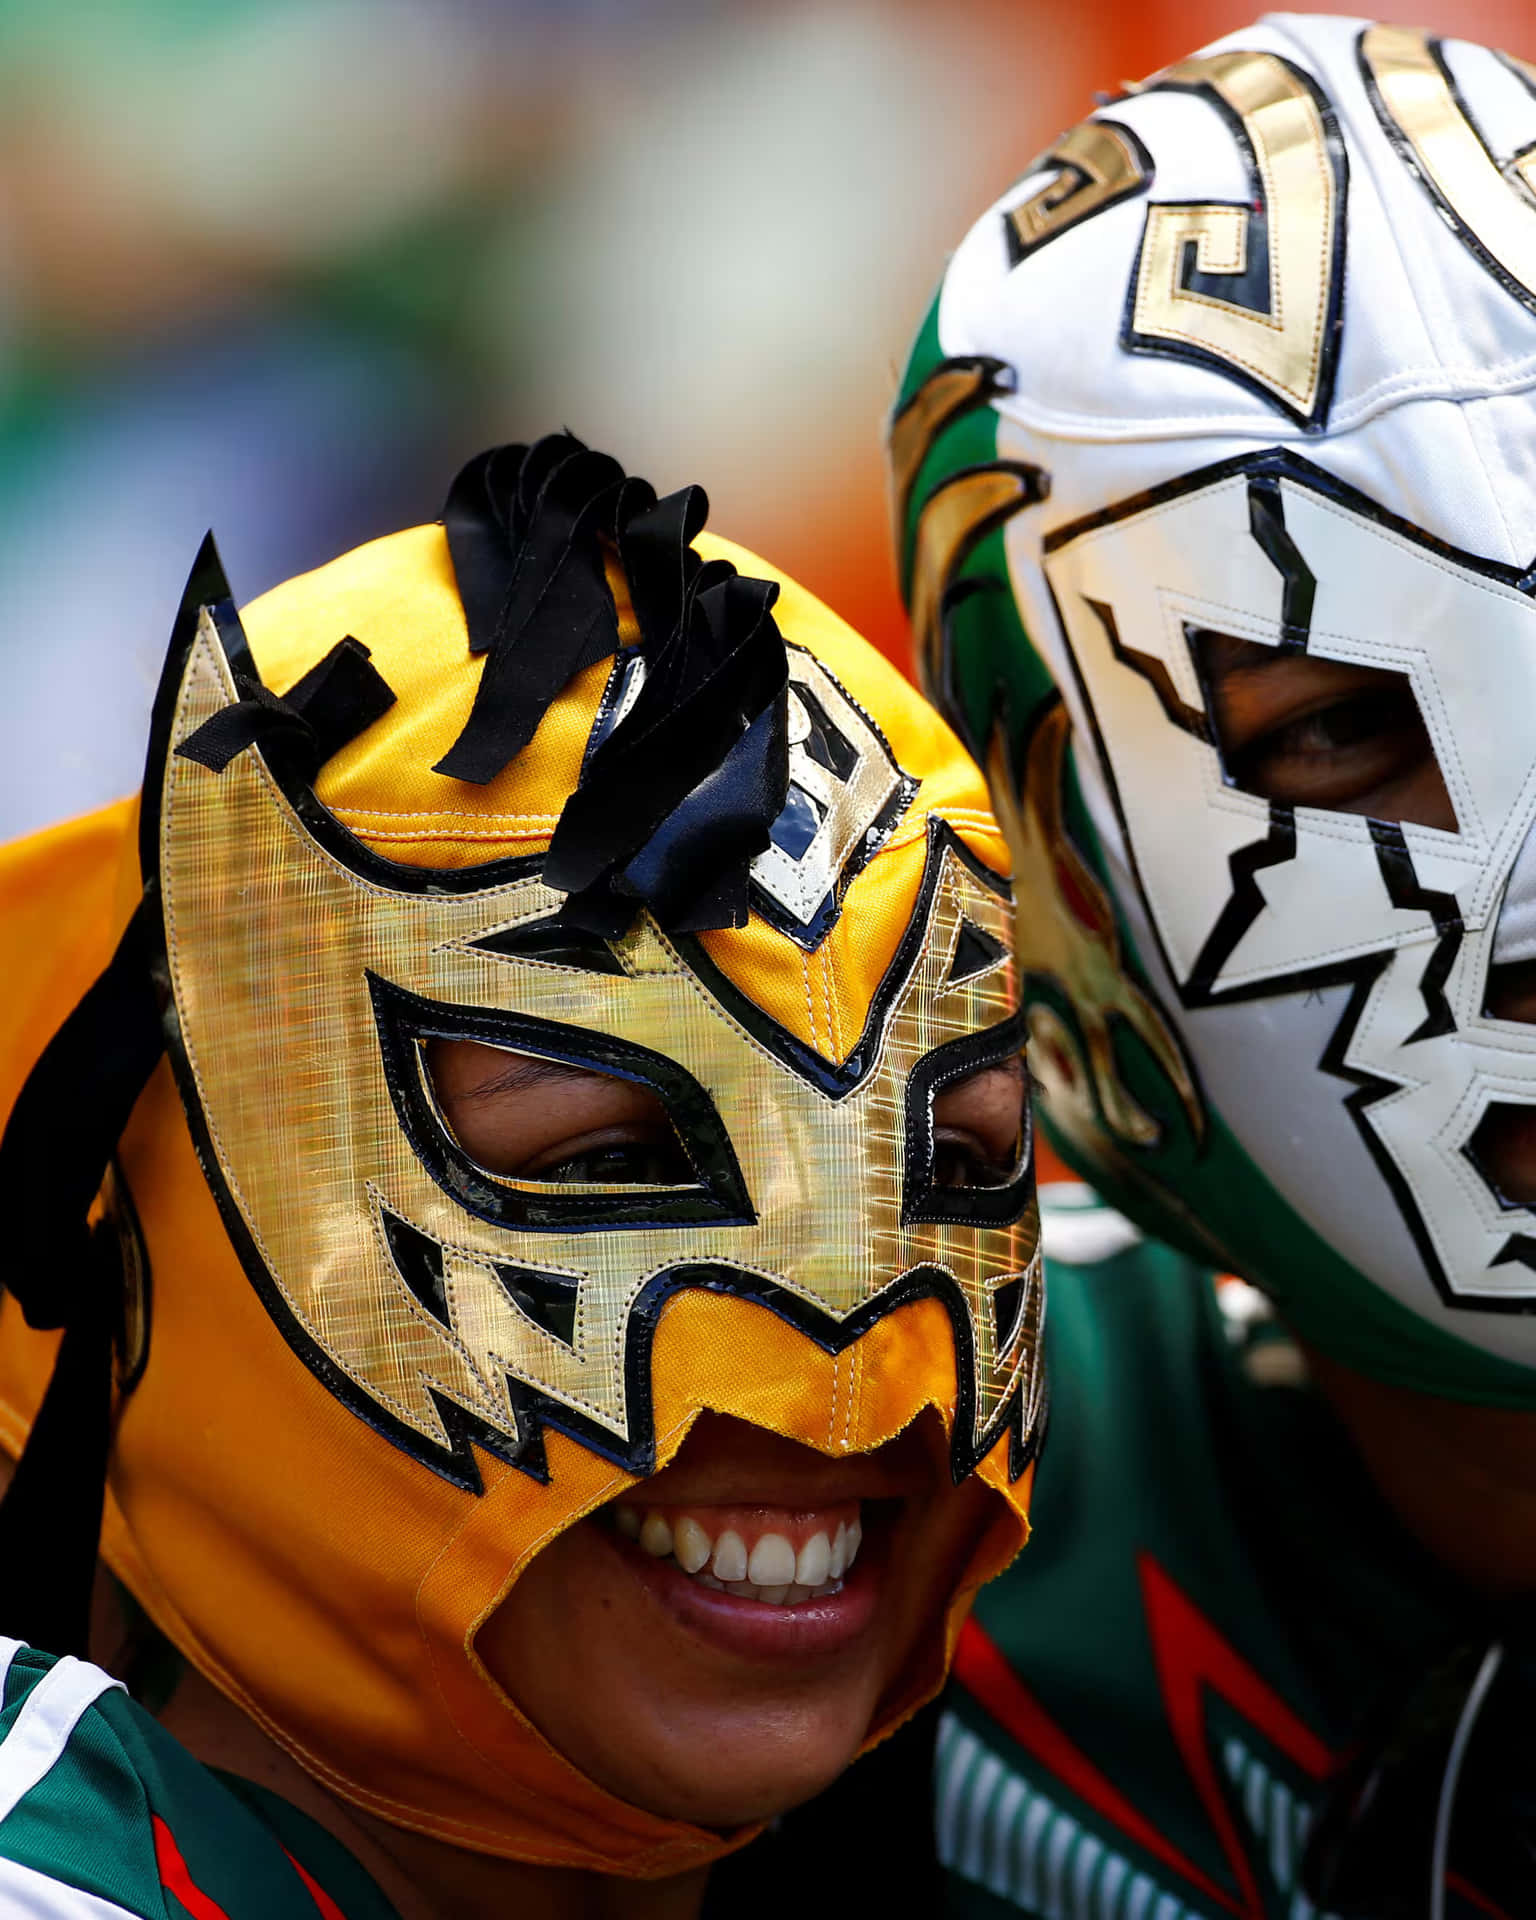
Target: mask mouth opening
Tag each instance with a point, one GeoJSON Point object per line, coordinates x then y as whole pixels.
{"type": "Point", "coordinates": [1502, 1146]}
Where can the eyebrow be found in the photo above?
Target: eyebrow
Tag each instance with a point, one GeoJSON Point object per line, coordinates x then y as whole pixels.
{"type": "Point", "coordinates": [1231, 655]}
{"type": "Point", "coordinates": [1013, 1066]}
{"type": "Point", "coordinates": [525, 1071]}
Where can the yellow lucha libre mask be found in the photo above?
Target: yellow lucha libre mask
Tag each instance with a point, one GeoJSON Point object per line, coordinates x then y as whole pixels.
{"type": "Point", "coordinates": [567, 779]}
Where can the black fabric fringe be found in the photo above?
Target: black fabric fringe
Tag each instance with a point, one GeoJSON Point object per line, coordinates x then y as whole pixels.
{"type": "Point", "coordinates": [58, 1142]}
{"type": "Point", "coordinates": [340, 695]}
{"type": "Point", "coordinates": [674, 804]}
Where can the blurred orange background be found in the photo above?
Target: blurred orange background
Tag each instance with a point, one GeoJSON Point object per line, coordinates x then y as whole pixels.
{"type": "Point", "coordinates": [280, 265]}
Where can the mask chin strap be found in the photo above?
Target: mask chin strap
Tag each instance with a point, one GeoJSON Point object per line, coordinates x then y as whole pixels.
{"type": "Point", "coordinates": [57, 1146]}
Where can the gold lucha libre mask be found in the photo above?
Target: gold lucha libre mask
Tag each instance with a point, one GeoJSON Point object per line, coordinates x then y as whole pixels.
{"type": "Point", "coordinates": [446, 1303]}
{"type": "Point", "coordinates": [574, 796]}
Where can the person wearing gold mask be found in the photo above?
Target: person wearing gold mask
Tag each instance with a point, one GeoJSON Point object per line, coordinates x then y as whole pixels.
{"type": "Point", "coordinates": [531, 1169]}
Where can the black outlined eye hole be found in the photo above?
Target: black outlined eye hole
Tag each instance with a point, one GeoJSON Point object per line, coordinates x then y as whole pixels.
{"type": "Point", "coordinates": [1503, 1149]}
{"type": "Point", "coordinates": [535, 1121]}
{"type": "Point", "coordinates": [1301, 730]}
{"type": "Point", "coordinates": [660, 1154]}
{"type": "Point", "coordinates": [981, 1174]}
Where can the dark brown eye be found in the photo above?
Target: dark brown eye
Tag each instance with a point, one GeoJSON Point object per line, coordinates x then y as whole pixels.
{"type": "Point", "coordinates": [961, 1163]}
{"type": "Point", "coordinates": [978, 1128]}
{"type": "Point", "coordinates": [614, 1163]}
{"type": "Point", "coordinates": [529, 1119]}
{"type": "Point", "coordinates": [1302, 730]}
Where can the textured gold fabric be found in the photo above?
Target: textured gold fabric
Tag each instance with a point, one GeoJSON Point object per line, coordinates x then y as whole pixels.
{"type": "Point", "coordinates": [323, 1574]}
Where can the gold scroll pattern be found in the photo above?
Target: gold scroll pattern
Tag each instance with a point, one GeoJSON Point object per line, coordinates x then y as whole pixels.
{"type": "Point", "coordinates": [1093, 166]}
{"type": "Point", "coordinates": [1493, 207]}
{"type": "Point", "coordinates": [1282, 349]}
{"type": "Point", "coordinates": [954, 518]}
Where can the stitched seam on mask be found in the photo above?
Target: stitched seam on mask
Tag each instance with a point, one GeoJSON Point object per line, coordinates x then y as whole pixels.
{"type": "Point", "coordinates": [837, 1367]}
{"type": "Point", "coordinates": [810, 1011]}
{"type": "Point", "coordinates": [439, 813]}
{"type": "Point", "coordinates": [834, 1014]}
{"type": "Point", "coordinates": [834, 1051]}
{"type": "Point", "coordinates": [500, 834]}
{"type": "Point", "coordinates": [855, 1381]}
{"type": "Point", "coordinates": [1510, 594]}
{"type": "Point", "coordinates": [1465, 1174]}
{"type": "Point", "coordinates": [454, 1340]}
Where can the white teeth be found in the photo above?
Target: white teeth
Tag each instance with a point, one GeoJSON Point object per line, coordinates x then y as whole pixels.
{"type": "Point", "coordinates": [773, 1573]}
{"type": "Point", "coordinates": [730, 1561]}
{"type": "Point", "coordinates": [692, 1545]}
{"type": "Point", "coordinates": [772, 1563]}
{"type": "Point", "coordinates": [656, 1536]}
{"type": "Point", "coordinates": [814, 1560]}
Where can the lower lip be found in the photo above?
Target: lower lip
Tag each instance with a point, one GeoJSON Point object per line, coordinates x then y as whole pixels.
{"type": "Point", "coordinates": [751, 1628]}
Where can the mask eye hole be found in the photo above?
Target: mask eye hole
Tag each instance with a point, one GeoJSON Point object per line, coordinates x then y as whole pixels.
{"type": "Point", "coordinates": [978, 1127]}
{"type": "Point", "coordinates": [544, 1126]}
{"type": "Point", "coordinates": [1503, 1149]}
{"type": "Point", "coordinates": [969, 1153]}
{"type": "Point", "coordinates": [529, 1119]}
{"type": "Point", "coordinates": [1304, 731]}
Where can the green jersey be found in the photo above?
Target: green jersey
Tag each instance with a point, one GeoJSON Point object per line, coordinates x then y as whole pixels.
{"type": "Point", "coordinates": [104, 1816]}
{"type": "Point", "coordinates": [1215, 1602]}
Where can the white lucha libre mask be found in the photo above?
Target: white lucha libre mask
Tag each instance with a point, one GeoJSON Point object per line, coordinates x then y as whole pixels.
{"type": "Point", "coordinates": [1295, 409]}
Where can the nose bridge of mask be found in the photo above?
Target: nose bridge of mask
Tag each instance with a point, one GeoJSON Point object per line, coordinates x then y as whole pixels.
{"type": "Point", "coordinates": [435, 1291]}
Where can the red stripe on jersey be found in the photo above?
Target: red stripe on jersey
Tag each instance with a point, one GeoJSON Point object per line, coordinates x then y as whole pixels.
{"type": "Point", "coordinates": [1192, 1659]}
{"type": "Point", "coordinates": [983, 1670]}
{"type": "Point", "coordinates": [328, 1907]}
{"type": "Point", "coordinates": [1469, 1893]}
{"type": "Point", "coordinates": [176, 1876]}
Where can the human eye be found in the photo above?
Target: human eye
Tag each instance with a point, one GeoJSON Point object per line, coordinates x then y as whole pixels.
{"type": "Point", "coordinates": [1337, 755]}
{"type": "Point", "coordinates": [536, 1120]}
{"type": "Point", "coordinates": [1301, 730]}
{"type": "Point", "coordinates": [961, 1162]}
{"type": "Point", "coordinates": [978, 1129]}
{"type": "Point", "coordinates": [614, 1159]}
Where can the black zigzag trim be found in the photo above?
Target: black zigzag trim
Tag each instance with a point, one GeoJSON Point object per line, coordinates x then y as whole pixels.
{"type": "Point", "coordinates": [536, 1411]}
{"type": "Point", "coordinates": [1403, 890]}
{"type": "Point", "coordinates": [1155, 672]}
{"type": "Point", "coordinates": [1245, 904]}
{"type": "Point", "coordinates": [1398, 874]}
{"type": "Point", "coordinates": [1266, 519]}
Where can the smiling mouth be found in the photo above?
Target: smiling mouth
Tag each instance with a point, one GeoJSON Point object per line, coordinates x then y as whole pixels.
{"type": "Point", "coordinates": [771, 1555]}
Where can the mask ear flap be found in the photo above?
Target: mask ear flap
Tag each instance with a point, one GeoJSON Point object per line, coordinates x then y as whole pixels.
{"type": "Point", "coordinates": [58, 1142]}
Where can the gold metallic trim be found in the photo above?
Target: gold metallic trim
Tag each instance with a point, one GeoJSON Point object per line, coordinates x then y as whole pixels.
{"type": "Point", "coordinates": [1065, 932]}
{"type": "Point", "coordinates": [952, 389]}
{"type": "Point", "coordinates": [1281, 349]}
{"type": "Point", "coordinates": [1095, 164]}
{"type": "Point", "coordinates": [954, 518]}
{"type": "Point", "coordinates": [1491, 205]}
